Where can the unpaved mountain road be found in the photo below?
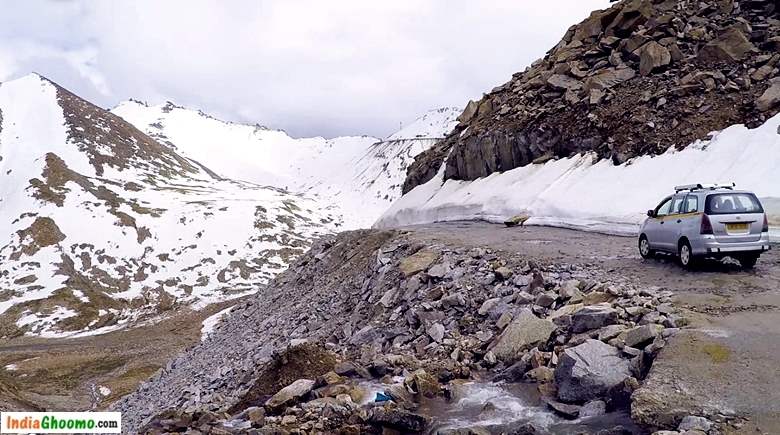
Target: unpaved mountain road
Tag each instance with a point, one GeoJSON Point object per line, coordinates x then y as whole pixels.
{"type": "Point", "coordinates": [725, 363]}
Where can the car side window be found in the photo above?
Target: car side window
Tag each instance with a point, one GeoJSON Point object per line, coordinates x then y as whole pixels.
{"type": "Point", "coordinates": [677, 204]}
{"type": "Point", "coordinates": [691, 204]}
{"type": "Point", "coordinates": [663, 209]}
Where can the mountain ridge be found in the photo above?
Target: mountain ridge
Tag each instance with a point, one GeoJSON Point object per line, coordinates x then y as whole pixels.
{"type": "Point", "coordinates": [362, 175]}
{"type": "Point", "coordinates": [102, 226]}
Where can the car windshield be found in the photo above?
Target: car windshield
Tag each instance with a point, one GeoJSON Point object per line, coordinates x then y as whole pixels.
{"type": "Point", "coordinates": [733, 203]}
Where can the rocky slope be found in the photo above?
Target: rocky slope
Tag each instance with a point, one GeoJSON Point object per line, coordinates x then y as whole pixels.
{"type": "Point", "coordinates": [635, 79]}
{"type": "Point", "coordinates": [422, 323]}
{"type": "Point", "coordinates": [102, 226]}
{"type": "Point", "coordinates": [360, 175]}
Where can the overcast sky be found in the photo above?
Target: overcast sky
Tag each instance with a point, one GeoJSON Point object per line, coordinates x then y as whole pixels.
{"type": "Point", "coordinates": [313, 67]}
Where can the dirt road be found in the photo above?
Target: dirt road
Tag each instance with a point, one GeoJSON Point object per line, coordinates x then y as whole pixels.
{"type": "Point", "coordinates": [725, 364]}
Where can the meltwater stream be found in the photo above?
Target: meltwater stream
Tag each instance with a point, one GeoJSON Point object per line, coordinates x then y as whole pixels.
{"type": "Point", "coordinates": [501, 407]}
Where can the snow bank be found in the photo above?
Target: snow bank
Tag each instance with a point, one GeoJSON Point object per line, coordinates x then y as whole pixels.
{"type": "Point", "coordinates": [209, 323]}
{"type": "Point", "coordinates": [583, 193]}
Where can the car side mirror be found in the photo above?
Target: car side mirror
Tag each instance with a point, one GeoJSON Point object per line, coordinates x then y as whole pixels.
{"type": "Point", "coordinates": [651, 213]}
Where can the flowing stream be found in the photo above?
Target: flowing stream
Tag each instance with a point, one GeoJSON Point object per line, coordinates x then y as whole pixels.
{"type": "Point", "coordinates": [500, 408]}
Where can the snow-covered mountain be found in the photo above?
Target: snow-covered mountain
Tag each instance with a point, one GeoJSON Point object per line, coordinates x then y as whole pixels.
{"type": "Point", "coordinates": [359, 175]}
{"type": "Point", "coordinates": [101, 225]}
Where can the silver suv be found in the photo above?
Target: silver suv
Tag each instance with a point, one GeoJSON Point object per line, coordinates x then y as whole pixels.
{"type": "Point", "coordinates": [707, 221]}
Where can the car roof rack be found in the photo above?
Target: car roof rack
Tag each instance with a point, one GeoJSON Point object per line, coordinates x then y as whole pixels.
{"type": "Point", "coordinates": [700, 186]}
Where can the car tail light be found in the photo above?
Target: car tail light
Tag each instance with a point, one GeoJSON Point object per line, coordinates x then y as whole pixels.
{"type": "Point", "coordinates": [706, 225]}
{"type": "Point", "coordinates": [765, 228]}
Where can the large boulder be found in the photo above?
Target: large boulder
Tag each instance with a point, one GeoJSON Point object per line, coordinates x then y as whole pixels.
{"type": "Point", "coordinates": [417, 262]}
{"type": "Point", "coordinates": [770, 98]}
{"type": "Point", "coordinates": [396, 418]}
{"type": "Point", "coordinates": [608, 78]}
{"type": "Point", "coordinates": [525, 331]}
{"type": "Point", "coordinates": [593, 317]}
{"type": "Point", "coordinates": [730, 46]}
{"type": "Point", "coordinates": [587, 371]}
{"type": "Point", "coordinates": [653, 56]}
{"type": "Point", "coordinates": [563, 82]}
{"type": "Point", "coordinates": [290, 394]}
{"type": "Point", "coordinates": [639, 335]}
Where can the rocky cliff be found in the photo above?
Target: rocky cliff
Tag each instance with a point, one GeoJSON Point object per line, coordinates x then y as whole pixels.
{"type": "Point", "coordinates": [634, 79]}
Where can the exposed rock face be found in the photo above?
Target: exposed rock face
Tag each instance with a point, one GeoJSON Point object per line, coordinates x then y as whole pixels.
{"type": "Point", "coordinates": [631, 80]}
{"type": "Point", "coordinates": [587, 371]}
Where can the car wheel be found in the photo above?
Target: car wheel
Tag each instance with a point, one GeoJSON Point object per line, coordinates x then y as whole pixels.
{"type": "Point", "coordinates": [748, 261]}
{"type": "Point", "coordinates": [644, 247]}
{"type": "Point", "coordinates": [685, 255]}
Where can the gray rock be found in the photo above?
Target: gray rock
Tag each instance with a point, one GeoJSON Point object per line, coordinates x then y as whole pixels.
{"type": "Point", "coordinates": [693, 422]}
{"type": "Point", "coordinates": [770, 98]}
{"type": "Point", "coordinates": [540, 374]}
{"type": "Point", "coordinates": [609, 332]}
{"type": "Point", "coordinates": [453, 300]}
{"type": "Point", "coordinates": [641, 334]}
{"type": "Point", "coordinates": [504, 272]}
{"type": "Point", "coordinates": [569, 289]}
{"type": "Point", "coordinates": [417, 262]}
{"type": "Point", "coordinates": [522, 280]}
{"type": "Point", "coordinates": [504, 320]}
{"type": "Point", "coordinates": [290, 394]}
{"type": "Point", "coordinates": [594, 408]}
{"type": "Point", "coordinates": [525, 331]}
{"type": "Point", "coordinates": [653, 56]}
{"type": "Point", "coordinates": [487, 279]}
{"type": "Point", "coordinates": [730, 46]}
{"type": "Point", "coordinates": [562, 82]}
{"type": "Point", "coordinates": [563, 409]}
{"type": "Point", "coordinates": [593, 317]}
{"type": "Point", "coordinates": [397, 418]}
{"type": "Point", "coordinates": [545, 299]}
{"type": "Point", "coordinates": [587, 371]}
{"type": "Point", "coordinates": [469, 112]}
{"type": "Point", "coordinates": [487, 306]}
{"type": "Point", "coordinates": [523, 298]}
{"type": "Point", "coordinates": [436, 332]}
{"type": "Point", "coordinates": [438, 271]}
{"type": "Point", "coordinates": [608, 78]}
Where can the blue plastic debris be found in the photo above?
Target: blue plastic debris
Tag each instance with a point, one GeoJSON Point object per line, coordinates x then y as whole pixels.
{"type": "Point", "coordinates": [382, 397]}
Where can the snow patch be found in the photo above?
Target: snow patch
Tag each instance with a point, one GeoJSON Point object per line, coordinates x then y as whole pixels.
{"type": "Point", "coordinates": [211, 322]}
{"type": "Point", "coordinates": [358, 176]}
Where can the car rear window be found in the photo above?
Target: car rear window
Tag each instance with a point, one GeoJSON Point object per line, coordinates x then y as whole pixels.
{"type": "Point", "coordinates": [733, 203]}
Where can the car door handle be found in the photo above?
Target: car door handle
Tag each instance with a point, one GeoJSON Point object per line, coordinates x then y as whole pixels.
{"type": "Point", "coordinates": [679, 220]}
{"type": "Point", "coordinates": [662, 222]}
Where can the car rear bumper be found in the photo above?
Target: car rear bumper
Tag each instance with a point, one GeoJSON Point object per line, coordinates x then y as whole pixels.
{"type": "Point", "coordinates": [707, 246]}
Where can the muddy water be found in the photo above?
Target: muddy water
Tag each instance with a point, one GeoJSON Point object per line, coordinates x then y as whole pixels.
{"type": "Point", "coordinates": [501, 408]}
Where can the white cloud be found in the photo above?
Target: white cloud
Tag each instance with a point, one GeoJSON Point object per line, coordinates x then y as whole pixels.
{"type": "Point", "coordinates": [308, 66]}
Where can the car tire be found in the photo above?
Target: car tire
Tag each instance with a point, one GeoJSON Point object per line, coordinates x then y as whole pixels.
{"type": "Point", "coordinates": [644, 247]}
{"type": "Point", "coordinates": [685, 255]}
{"type": "Point", "coordinates": [748, 261]}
